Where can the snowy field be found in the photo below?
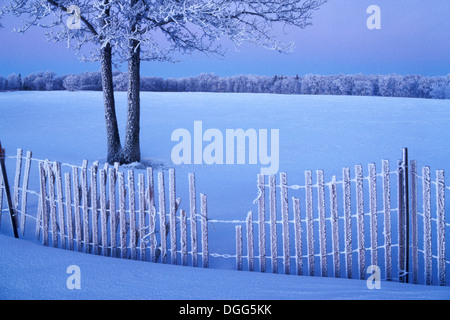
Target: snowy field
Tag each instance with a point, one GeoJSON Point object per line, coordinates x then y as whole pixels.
{"type": "Point", "coordinates": [316, 132]}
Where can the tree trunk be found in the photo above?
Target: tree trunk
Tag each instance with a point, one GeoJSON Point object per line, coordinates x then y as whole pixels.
{"type": "Point", "coordinates": [112, 131]}
{"type": "Point", "coordinates": [131, 151]}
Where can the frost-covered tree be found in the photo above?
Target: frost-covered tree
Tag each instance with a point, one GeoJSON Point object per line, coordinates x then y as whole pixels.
{"type": "Point", "coordinates": [14, 82]}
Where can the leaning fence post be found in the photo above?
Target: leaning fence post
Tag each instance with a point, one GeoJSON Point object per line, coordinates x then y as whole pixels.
{"type": "Point", "coordinates": [43, 200]}
{"type": "Point", "coordinates": [440, 194]}
{"type": "Point", "coordinates": [427, 224]}
{"type": "Point", "coordinates": [205, 250]}
{"type": "Point", "coordinates": [8, 193]}
{"type": "Point", "coordinates": [26, 178]}
{"type": "Point", "coordinates": [387, 218]}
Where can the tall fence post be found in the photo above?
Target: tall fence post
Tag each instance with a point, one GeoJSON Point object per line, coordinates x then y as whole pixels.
{"type": "Point", "coordinates": [387, 218]}
{"type": "Point", "coordinates": [8, 192]}
{"type": "Point", "coordinates": [262, 222]}
{"type": "Point", "coordinates": [347, 222]}
{"type": "Point", "coordinates": [205, 248]}
{"type": "Point", "coordinates": [414, 223]}
{"type": "Point", "coordinates": [360, 221]}
{"type": "Point", "coordinates": [273, 223]}
{"type": "Point", "coordinates": [426, 189]}
{"type": "Point", "coordinates": [285, 221]}
{"type": "Point", "coordinates": [322, 224]}
{"type": "Point", "coordinates": [406, 208]}
{"type": "Point", "coordinates": [440, 194]}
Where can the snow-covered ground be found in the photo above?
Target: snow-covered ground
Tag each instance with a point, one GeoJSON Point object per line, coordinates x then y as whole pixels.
{"type": "Point", "coordinates": [316, 132]}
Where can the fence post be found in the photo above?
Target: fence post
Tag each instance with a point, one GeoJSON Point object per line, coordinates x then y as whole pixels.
{"type": "Point", "coordinates": [273, 223]}
{"type": "Point", "coordinates": [387, 218]}
{"type": "Point", "coordinates": [347, 221]}
{"type": "Point", "coordinates": [285, 221]}
{"type": "Point", "coordinates": [172, 221]}
{"type": "Point", "coordinates": [427, 224]}
{"type": "Point", "coordinates": [335, 227]}
{"type": "Point", "coordinates": [414, 223]}
{"type": "Point", "coordinates": [103, 212]}
{"type": "Point", "coordinates": [239, 249]}
{"type": "Point", "coordinates": [76, 203]}
{"type": "Point", "coordinates": [250, 243]}
{"type": "Point", "coordinates": [162, 216]}
{"type": "Point", "coordinates": [142, 244]}
{"type": "Point", "coordinates": [309, 222]}
{"type": "Point", "coordinates": [262, 222]}
{"type": "Point", "coordinates": [112, 211]}
{"type": "Point", "coordinates": [122, 216]}
{"type": "Point", "coordinates": [84, 192]}
{"type": "Point", "coordinates": [132, 205]}
{"type": "Point", "coordinates": [69, 209]}
{"type": "Point", "coordinates": [43, 200]}
{"type": "Point", "coordinates": [26, 179]}
{"type": "Point", "coordinates": [373, 213]}
{"type": "Point", "coordinates": [183, 235]}
{"type": "Point", "coordinates": [298, 236]}
{"type": "Point", "coordinates": [17, 182]}
{"type": "Point", "coordinates": [94, 204]}
{"type": "Point", "coordinates": [51, 195]}
{"type": "Point", "coordinates": [360, 221]}
{"type": "Point", "coordinates": [204, 213]}
{"type": "Point", "coordinates": [440, 194]}
{"type": "Point", "coordinates": [8, 192]}
{"type": "Point", "coordinates": [405, 162]}
{"type": "Point", "coordinates": [401, 223]}
{"type": "Point", "coordinates": [322, 225]}
{"type": "Point", "coordinates": [151, 213]}
{"type": "Point", "coordinates": [193, 214]}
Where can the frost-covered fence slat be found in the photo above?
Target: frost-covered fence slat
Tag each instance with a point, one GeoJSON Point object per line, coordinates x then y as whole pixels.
{"type": "Point", "coordinates": [103, 212]}
{"type": "Point", "coordinates": [239, 249]}
{"type": "Point", "coordinates": [427, 224]}
{"type": "Point", "coordinates": [94, 204]}
{"type": "Point", "coordinates": [112, 211]}
{"type": "Point", "coordinates": [309, 222]}
{"type": "Point", "coordinates": [204, 214]}
{"type": "Point", "coordinates": [43, 200]}
{"type": "Point", "coordinates": [401, 223]}
{"type": "Point", "coordinates": [1, 197]}
{"type": "Point", "coordinates": [298, 236]}
{"type": "Point", "coordinates": [322, 225]}
{"type": "Point", "coordinates": [193, 218]}
{"type": "Point", "coordinates": [285, 222]}
{"type": "Point", "coordinates": [347, 221]}
{"type": "Point", "coordinates": [440, 194]}
{"type": "Point", "coordinates": [141, 192]}
{"type": "Point", "coordinates": [273, 223]}
{"type": "Point", "coordinates": [59, 196]}
{"type": "Point", "coordinates": [414, 223]}
{"type": "Point", "coordinates": [262, 222]}
{"type": "Point", "coordinates": [76, 203]}
{"type": "Point", "coordinates": [250, 243]}
{"type": "Point", "coordinates": [52, 204]}
{"type": "Point", "coordinates": [335, 227]}
{"type": "Point", "coordinates": [122, 216]}
{"type": "Point", "coordinates": [69, 209]}
{"type": "Point", "coordinates": [360, 221]}
{"type": "Point", "coordinates": [162, 216]}
{"type": "Point", "coordinates": [152, 214]}
{"type": "Point", "coordinates": [183, 237]}
{"type": "Point", "coordinates": [132, 206]}
{"type": "Point", "coordinates": [17, 181]}
{"type": "Point", "coordinates": [387, 218]}
{"type": "Point", "coordinates": [373, 213]}
{"type": "Point", "coordinates": [172, 221]}
{"type": "Point", "coordinates": [26, 179]}
{"type": "Point", "coordinates": [84, 192]}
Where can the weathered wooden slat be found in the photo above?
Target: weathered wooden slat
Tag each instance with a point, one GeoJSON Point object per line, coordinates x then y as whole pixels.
{"type": "Point", "coordinates": [387, 218]}
{"type": "Point", "coordinates": [273, 223]}
{"type": "Point", "coordinates": [162, 216]}
{"type": "Point", "coordinates": [112, 212]}
{"type": "Point", "coordinates": [84, 192]}
{"type": "Point", "coordinates": [250, 243]}
{"type": "Point", "coordinates": [76, 211]}
{"type": "Point", "coordinates": [373, 213]}
{"type": "Point", "coordinates": [285, 222]}
{"type": "Point", "coordinates": [94, 205]}
{"type": "Point", "coordinates": [43, 200]}
{"type": "Point", "coordinates": [69, 215]}
{"type": "Point", "coordinates": [52, 204]}
{"type": "Point", "coordinates": [205, 247]}
{"type": "Point", "coordinates": [427, 246]}
{"type": "Point", "coordinates": [262, 222]}
{"type": "Point", "coordinates": [347, 222]}
{"type": "Point", "coordinates": [122, 217]}
{"type": "Point", "coordinates": [298, 236]}
{"type": "Point", "coordinates": [322, 224]}
{"type": "Point", "coordinates": [103, 212]}
{"type": "Point", "coordinates": [440, 199]}
{"type": "Point", "coordinates": [183, 237]}
{"type": "Point", "coordinates": [193, 219]}
{"type": "Point", "coordinates": [360, 221]}
{"type": "Point", "coordinates": [335, 228]}
{"type": "Point", "coordinates": [142, 226]}
{"type": "Point", "coordinates": [26, 179]}
{"type": "Point", "coordinates": [414, 223]}
{"type": "Point", "coordinates": [172, 217]}
{"type": "Point", "coordinates": [309, 223]}
{"type": "Point", "coordinates": [239, 248]}
{"type": "Point", "coordinates": [132, 206]}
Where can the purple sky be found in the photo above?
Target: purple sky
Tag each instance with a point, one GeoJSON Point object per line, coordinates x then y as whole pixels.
{"type": "Point", "coordinates": [414, 39]}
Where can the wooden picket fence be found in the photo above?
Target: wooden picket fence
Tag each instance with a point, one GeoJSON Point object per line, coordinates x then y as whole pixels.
{"type": "Point", "coordinates": [336, 223]}
{"type": "Point", "coordinates": [101, 211]}
{"type": "Point", "coordinates": [340, 228]}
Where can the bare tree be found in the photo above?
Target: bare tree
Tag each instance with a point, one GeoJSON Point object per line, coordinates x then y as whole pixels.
{"type": "Point", "coordinates": [136, 30]}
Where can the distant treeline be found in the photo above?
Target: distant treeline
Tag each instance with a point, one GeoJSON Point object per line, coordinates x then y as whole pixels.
{"type": "Point", "coordinates": [393, 85]}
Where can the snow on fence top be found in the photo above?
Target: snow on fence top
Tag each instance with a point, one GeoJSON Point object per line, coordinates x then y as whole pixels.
{"type": "Point", "coordinates": [334, 224]}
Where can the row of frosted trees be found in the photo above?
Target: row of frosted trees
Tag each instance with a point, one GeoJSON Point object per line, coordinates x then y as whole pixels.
{"type": "Point", "coordinates": [414, 86]}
